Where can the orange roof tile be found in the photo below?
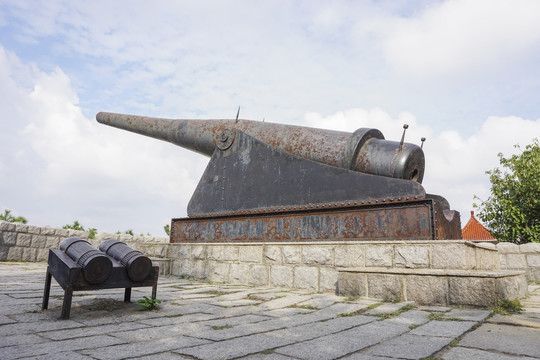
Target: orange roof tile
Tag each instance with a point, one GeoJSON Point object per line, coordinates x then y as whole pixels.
{"type": "Point", "coordinates": [474, 230]}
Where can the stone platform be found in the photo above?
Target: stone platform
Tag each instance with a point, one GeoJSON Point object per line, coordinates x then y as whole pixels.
{"type": "Point", "coordinates": [429, 272]}
{"type": "Point", "coordinates": [434, 286]}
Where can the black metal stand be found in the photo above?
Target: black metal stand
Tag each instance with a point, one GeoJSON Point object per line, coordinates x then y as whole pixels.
{"type": "Point", "coordinates": [70, 277]}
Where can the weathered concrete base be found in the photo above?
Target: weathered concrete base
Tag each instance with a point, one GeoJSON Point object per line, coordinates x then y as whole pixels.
{"type": "Point", "coordinates": [433, 286]}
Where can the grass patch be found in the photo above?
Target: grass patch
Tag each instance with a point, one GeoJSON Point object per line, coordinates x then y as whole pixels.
{"type": "Point", "coordinates": [414, 326]}
{"type": "Point", "coordinates": [442, 317]}
{"type": "Point", "coordinates": [395, 313]}
{"type": "Point", "coordinates": [254, 297]}
{"type": "Point", "coordinates": [222, 327]}
{"type": "Point", "coordinates": [506, 307]}
{"type": "Point", "coordinates": [307, 307]}
{"type": "Point", "coordinates": [267, 351]}
{"type": "Point", "coordinates": [350, 299]}
{"type": "Point", "coordinates": [173, 316]}
{"type": "Point", "coordinates": [361, 311]}
{"type": "Point", "coordinates": [216, 292]}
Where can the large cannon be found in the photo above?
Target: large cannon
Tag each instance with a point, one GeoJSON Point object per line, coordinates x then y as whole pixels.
{"type": "Point", "coordinates": [268, 181]}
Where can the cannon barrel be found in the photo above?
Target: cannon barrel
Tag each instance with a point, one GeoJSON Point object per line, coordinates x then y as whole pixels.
{"type": "Point", "coordinates": [96, 266]}
{"type": "Point", "coordinates": [365, 150]}
{"type": "Point", "coordinates": [137, 265]}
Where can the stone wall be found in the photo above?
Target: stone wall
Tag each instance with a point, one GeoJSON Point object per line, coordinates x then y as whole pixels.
{"type": "Point", "coordinates": [314, 265]}
{"type": "Point", "coordinates": [294, 265]}
{"type": "Point", "coordinates": [20, 242]}
{"type": "Point", "coordinates": [524, 257]}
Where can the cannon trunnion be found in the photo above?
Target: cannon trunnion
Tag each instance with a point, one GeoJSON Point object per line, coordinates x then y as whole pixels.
{"type": "Point", "coordinates": [275, 182]}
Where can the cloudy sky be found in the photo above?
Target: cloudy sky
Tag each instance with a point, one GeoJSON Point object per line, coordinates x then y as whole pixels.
{"type": "Point", "coordinates": [463, 74]}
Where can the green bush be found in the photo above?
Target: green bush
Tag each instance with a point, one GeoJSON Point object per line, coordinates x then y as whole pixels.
{"type": "Point", "coordinates": [6, 216]}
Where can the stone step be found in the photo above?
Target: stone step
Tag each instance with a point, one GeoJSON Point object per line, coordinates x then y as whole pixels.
{"type": "Point", "coordinates": [433, 286]}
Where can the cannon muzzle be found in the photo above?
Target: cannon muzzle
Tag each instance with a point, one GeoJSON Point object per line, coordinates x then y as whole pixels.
{"type": "Point", "coordinates": [365, 150]}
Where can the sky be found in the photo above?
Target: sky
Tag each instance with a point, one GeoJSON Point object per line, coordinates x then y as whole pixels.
{"type": "Point", "coordinates": [463, 74]}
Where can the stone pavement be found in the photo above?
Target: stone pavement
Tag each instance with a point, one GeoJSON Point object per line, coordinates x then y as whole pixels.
{"type": "Point", "coordinates": [199, 320]}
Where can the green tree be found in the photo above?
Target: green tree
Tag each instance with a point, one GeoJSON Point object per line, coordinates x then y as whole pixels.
{"type": "Point", "coordinates": [6, 216]}
{"type": "Point", "coordinates": [167, 229]}
{"type": "Point", "coordinates": [76, 226]}
{"type": "Point", "coordinates": [512, 212]}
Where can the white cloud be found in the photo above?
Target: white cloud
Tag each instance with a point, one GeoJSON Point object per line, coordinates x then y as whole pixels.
{"type": "Point", "coordinates": [445, 62]}
{"type": "Point", "coordinates": [463, 36]}
{"type": "Point", "coordinates": [455, 166]}
{"type": "Point", "coordinates": [82, 169]}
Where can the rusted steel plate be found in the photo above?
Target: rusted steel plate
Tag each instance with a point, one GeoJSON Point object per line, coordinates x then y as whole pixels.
{"type": "Point", "coordinates": [410, 221]}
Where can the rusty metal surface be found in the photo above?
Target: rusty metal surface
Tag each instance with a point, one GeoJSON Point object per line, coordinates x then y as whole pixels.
{"type": "Point", "coordinates": [406, 220]}
{"type": "Point", "coordinates": [365, 150]}
{"type": "Point", "coordinates": [250, 175]}
{"type": "Point", "coordinates": [275, 182]}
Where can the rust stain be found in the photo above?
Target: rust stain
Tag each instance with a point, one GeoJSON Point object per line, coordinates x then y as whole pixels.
{"type": "Point", "coordinates": [416, 220]}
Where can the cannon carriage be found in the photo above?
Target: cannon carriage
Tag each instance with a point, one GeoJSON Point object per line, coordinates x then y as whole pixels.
{"type": "Point", "coordinates": [275, 182]}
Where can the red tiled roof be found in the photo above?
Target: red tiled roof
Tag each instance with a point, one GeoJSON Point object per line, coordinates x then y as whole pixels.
{"type": "Point", "coordinates": [473, 230]}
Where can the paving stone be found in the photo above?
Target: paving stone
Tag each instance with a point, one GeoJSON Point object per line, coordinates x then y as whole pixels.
{"type": "Point", "coordinates": [270, 330]}
{"type": "Point", "coordinates": [67, 355]}
{"type": "Point", "coordinates": [279, 313]}
{"type": "Point", "coordinates": [504, 338]}
{"type": "Point", "coordinates": [234, 348]}
{"type": "Point", "coordinates": [287, 300]}
{"type": "Point", "coordinates": [5, 320]}
{"type": "Point", "coordinates": [412, 317]}
{"type": "Point", "coordinates": [322, 301]}
{"type": "Point", "coordinates": [239, 302]}
{"type": "Point", "coordinates": [157, 332]}
{"type": "Point", "coordinates": [321, 328]}
{"type": "Point", "coordinates": [451, 329]}
{"type": "Point", "coordinates": [52, 347]}
{"type": "Point", "coordinates": [469, 314]}
{"type": "Point", "coordinates": [27, 328]}
{"type": "Point", "coordinates": [11, 340]}
{"type": "Point", "coordinates": [163, 356]}
{"type": "Point", "coordinates": [266, 356]}
{"type": "Point", "coordinates": [345, 342]}
{"type": "Point", "coordinates": [409, 346]}
{"type": "Point", "coordinates": [515, 319]}
{"type": "Point", "coordinates": [126, 351]}
{"type": "Point", "coordinates": [247, 329]}
{"type": "Point", "coordinates": [342, 308]}
{"type": "Point", "coordinates": [91, 330]}
{"type": "Point", "coordinates": [236, 320]}
{"type": "Point", "coordinates": [361, 356]}
{"type": "Point", "coordinates": [461, 353]}
{"type": "Point", "coordinates": [387, 308]}
{"type": "Point", "coordinates": [195, 317]}
{"type": "Point", "coordinates": [434, 308]}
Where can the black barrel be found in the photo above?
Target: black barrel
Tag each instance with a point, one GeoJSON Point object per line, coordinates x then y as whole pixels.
{"type": "Point", "coordinates": [137, 265]}
{"type": "Point", "coordinates": [96, 266]}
